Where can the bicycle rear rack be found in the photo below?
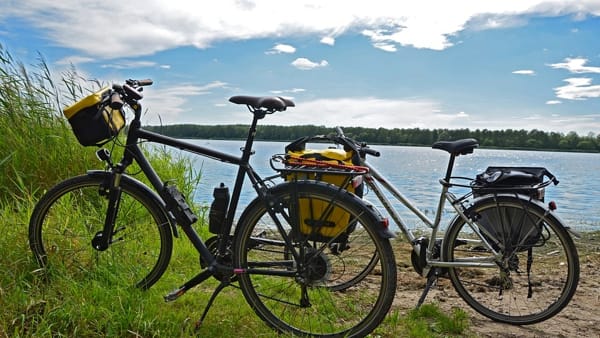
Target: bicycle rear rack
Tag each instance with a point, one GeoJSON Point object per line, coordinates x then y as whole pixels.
{"type": "Point", "coordinates": [293, 164]}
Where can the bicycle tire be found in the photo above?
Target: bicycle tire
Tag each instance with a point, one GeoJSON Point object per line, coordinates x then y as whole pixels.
{"type": "Point", "coordinates": [311, 302]}
{"type": "Point", "coordinates": [513, 293]}
{"type": "Point", "coordinates": [66, 219]}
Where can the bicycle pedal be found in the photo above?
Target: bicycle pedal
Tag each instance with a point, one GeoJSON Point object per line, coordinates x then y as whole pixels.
{"type": "Point", "coordinates": [173, 295]}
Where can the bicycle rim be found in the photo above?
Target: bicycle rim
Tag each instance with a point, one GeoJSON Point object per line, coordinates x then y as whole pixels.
{"type": "Point", "coordinates": [532, 282]}
{"type": "Point", "coordinates": [68, 217]}
{"type": "Point", "coordinates": [338, 287]}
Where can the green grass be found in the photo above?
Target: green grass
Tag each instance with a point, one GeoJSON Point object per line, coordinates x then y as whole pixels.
{"type": "Point", "coordinates": [37, 150]}
{"type": "Point", "coordinates": [35, 304]}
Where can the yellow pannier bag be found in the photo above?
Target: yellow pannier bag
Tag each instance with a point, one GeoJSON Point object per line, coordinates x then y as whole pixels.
{"type": "Point", "coordinates": [92, 120]}
{"type": "Point", "coordinates": [310, 211]}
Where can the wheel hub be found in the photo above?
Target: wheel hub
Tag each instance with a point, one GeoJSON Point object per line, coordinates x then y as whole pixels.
{"type": "Point", "coordinates": [317, 268]}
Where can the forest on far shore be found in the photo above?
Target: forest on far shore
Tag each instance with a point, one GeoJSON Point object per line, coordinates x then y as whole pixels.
{"type": "Point", "coordinates": [503, 139]}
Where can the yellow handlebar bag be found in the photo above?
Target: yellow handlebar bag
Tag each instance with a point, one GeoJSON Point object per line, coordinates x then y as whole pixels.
{"type": "Point", "coordinates": [93, 121]}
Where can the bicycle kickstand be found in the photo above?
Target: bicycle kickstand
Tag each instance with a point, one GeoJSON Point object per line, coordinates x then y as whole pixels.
{"type": "Point", "coordinates": [219, 288]}
{"type": "Point", "coordinates": [432, 278]}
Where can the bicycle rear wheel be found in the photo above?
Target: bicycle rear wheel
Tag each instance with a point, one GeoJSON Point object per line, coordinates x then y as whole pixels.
{"type": "Point", "coordinates": [69, 216]}
{"type": "Point", "coordinates": [343, 286]}
{"type": "Point", "coordinates": [538, 270]}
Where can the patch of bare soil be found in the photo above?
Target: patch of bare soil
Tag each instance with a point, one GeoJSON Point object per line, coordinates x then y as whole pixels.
{"type": "Point", "coordinates": [580, 318]}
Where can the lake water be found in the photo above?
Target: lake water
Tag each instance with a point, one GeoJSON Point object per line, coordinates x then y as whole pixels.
{"type": "Point", "coordinates": [415, 171]}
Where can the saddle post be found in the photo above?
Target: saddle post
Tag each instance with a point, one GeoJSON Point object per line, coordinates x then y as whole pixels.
{"type": "Point", "coordinates": [450, 167]}
{"type": "Point", "coordinates": [455, 148]}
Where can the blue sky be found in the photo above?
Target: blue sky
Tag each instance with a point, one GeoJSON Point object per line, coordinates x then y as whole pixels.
{"type": "Point", "coordinates": [522, 64]}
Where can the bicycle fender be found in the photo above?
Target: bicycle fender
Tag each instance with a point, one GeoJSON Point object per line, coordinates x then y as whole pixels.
{"type": "Point", "coordinates": [523, 198]}
{"type": "Point", "coordinates": [146, 190]}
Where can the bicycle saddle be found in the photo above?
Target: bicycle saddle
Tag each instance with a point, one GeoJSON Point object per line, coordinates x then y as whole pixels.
{"type": "Point", "coordinates": [270, 103]}
{"type": "Point", "coordinates": [458, 147]}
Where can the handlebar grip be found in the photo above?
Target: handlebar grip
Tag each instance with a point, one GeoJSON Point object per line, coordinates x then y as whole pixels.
{"type": "Point", "coordinates": [145, 82]}
{"type": "Point", "coordinates": [371, 152]}
{"type": "Point", "coordinates": [115, 101]}
{"type": "Point", "coordinates": [132, 93]}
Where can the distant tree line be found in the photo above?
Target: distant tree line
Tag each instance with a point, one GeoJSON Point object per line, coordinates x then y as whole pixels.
{"type": "Point", "coordinates": [505, 139]}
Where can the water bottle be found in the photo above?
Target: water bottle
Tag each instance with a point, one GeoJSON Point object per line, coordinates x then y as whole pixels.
{"type": "Point", "coordinates": [218, 209]}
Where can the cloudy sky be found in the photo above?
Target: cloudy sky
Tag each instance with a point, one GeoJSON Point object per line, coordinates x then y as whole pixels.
{"type": "Point", "coordinates": [519, 64]}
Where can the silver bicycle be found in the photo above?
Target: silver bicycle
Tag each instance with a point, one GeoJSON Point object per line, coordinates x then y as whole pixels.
{"type": "Point", "coordinates": [507, 253]}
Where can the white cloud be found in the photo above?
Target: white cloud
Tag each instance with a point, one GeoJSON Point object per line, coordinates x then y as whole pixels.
{"type": "Point", "coordinates": [328, 40]}
{"type": "Point", "coordinates": [385, 46]}
{"type": "Point", "coordinates": [282, 49]}
{"type": "Point", "coordinates": [364, 111]}
{"type": "Point", "coordinates": [171, 101]}
{"type": "Point", "coordinates": [494, 21]}
{"type": "Point", "coordinates": [576, 65]}
{"type": "Point", "coordinates": [130, 64]}
{"type": "Point", "coordinates": [582, 124]}
{"type": "Point", "coordinates": [141, 31]}
{"type": "Point", "coordinates": [306, 64]}
{"type": "Point", "coordinates": [74, 60]}
{"type": "Point", "coordinates": [293, 91]}
{"type": "Point", "coordinates": [552, 102]}
{"type": "Point", "coordinates": [372, 112]}
{"type": "Point", "coordinates": [524, 72]}
{"type": "Point", "coordinates": [579, 88]}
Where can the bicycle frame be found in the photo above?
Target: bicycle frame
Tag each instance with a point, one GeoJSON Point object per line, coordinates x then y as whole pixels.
{"type": "Point", "coordinates": [374, 179]}
{"type": "Point", "coordinates": [133, 152]}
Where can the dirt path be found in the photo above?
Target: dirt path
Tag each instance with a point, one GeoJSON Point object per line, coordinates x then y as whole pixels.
{"type": "Point", "coordinates": [581, 318]}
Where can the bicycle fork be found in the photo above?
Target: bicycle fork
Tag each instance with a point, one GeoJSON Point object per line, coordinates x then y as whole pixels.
{"type": "Point", "coordinates": [112, 190]}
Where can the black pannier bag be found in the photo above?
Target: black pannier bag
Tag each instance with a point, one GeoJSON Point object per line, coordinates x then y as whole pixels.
{"type": "Point", "coordinates": [523, 231]}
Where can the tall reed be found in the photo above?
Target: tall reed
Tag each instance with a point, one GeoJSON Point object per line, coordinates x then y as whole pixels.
{"type": "Point", "coordinates": [37, 147]}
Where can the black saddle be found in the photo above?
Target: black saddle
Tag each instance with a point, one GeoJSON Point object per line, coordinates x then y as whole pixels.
{"type": "Point", "coordinates": [269, 103]}
{"type": "Point", "coordinates": [458, 147]}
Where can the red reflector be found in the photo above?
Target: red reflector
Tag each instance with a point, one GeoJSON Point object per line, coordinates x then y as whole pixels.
{"type": "Point", "coordinates": [552, 205]}
{"type": "Point", "coordinates": [385, 222]}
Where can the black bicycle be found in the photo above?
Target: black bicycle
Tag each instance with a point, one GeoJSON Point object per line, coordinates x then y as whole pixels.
{"type": "Point", "coordinates": [293, 280]}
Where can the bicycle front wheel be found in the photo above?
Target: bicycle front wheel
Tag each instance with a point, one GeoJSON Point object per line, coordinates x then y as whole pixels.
{"type": "Point", "coordinates": [68, 217]}
{"type": "Point", "coordinates": [340, 284]}
{"type": "Point", "coordinates": [537, 269]}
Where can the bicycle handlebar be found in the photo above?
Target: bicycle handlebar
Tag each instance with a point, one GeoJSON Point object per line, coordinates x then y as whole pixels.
{"type": "Point", "coordinates": [140, 83]}
{"type": "Point", "coordinates": [371, 152]}
{"type": "Point", "coordinates": [360, 147]}
{"type": "Point", "coordinates": [130, 92]}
